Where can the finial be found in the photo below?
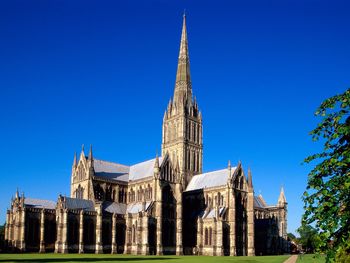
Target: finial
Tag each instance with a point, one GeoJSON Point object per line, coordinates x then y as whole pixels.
{"type": "Point", "coordinates": [250, 178]}
{"type": "Point", "coordinates": [90, 152]}
{"type": "Point", "coordinates": [75, 159]}
{"type": "Point", "coordinates": [229, 164]}
{"type": "Point", "coordinates": [156, 163]}
{"type": "Point", "coordinates": [184, 14]}
{"type": "Point", "coordinates": [282, 198]}
{"type": "Point", "coordinates": [17, 193]}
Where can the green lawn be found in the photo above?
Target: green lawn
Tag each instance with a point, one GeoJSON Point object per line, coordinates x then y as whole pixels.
{"type": "Point", "coordinates": [311, 258]}
{"type": "Point", "coordinates": [131, 259]}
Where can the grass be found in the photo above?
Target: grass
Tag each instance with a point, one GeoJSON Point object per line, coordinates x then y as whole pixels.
{"type": "Point", "coordinates": [311, 258]}
{"type": "Point", "coordinates": [132, 259]}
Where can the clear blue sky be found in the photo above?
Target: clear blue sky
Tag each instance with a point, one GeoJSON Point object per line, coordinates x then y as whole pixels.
{"type": "Point", "coordinates": [102, 73]}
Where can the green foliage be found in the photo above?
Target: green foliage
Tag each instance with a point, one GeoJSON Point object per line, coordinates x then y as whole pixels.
{"type": "Point", "coordinates": [327, 196]}
{"type": "Point", "coordinates": [309, 238]}
{"type": "Point", "coordinates": [343, 253]}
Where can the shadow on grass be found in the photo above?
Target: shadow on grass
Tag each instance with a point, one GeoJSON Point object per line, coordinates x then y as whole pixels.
{"type": "Point", "coordinates": [83, 259]}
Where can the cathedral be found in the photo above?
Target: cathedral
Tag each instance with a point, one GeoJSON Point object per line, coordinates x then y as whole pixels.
{"type": "Point", "coordinates": [165, 205]}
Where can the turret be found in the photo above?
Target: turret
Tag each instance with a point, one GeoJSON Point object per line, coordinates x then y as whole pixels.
{"type": "Point", "coordinates": [91, 158]}
{"type": "Point", "coordinates": [282, 198]}
{"type": "Point", "coordinates": [75, 160]}
{"type": "Point", "coordinates": [82, 153]}
{"type": "Point", "coordinates": [156, 168]}
{"type": "Point", "coordinates": [250, 180]}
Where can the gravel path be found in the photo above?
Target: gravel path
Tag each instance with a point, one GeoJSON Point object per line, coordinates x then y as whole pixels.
{"type": "Point", "coordinates": [291, 259]}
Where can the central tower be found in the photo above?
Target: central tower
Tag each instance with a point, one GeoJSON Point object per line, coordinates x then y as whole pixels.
{"type": "Point", "coordinates": [182, 123]}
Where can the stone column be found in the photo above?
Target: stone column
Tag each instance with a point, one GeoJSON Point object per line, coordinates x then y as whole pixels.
{"type": "Point", "coordinates": [114, 234]}
{"type": "Point", "coordinates": [127, 233]}
{"type": "Point", "coordinates": [10, 229]}
{"type": "Point", "coordinates": [144, 233]}
{"type": "Point", "coordinates": [22, 224]}
{"type": "Point", "coordinates": [15, 225]}
{"type": "Point", "coordinates": [138, 234]}
{"type": "Point", "coordinates": [219, 238]}
{"type": "Point", "coordinates": [250, 223]}
{"type": "Point", "coordinates": [232, 220]}
{"type": "Point", "coordinates": [213, 237]}
{"type": "Point", "coordinates": [179, 248]}
{"type": "Point", "coordinates": [59, 223]}
{"type": "Point", "coordinates": [42, 232]}
{"type": "Point", "coordinates": [7, 226]}
{"type": "Point", "coordinates": [117, 195]}
{"type": "Point", "coordinates": [200, 236]}
{"type": "Point", "coordinates": [159, 218]}
{"type": "Point", "coordinates": [64, 248]}
{"type": "Point", "coordinates": [99, 248]}
{"type": "Point", "coordinates": [81, 232]}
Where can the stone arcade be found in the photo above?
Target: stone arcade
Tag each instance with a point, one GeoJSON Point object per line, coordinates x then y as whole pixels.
{"type": "Point", "coordinates": [166, 205]}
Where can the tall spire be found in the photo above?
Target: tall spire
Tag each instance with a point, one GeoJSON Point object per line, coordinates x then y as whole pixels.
{"type": "Point", "coordinates": [183, 87]}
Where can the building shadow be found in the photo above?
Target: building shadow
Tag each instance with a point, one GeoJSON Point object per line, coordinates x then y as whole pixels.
{"type": "Point", "coordinates": [84, 259]}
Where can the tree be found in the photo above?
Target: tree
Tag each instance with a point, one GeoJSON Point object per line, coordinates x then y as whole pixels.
{"type": "Point", "coordinates": [309, 238]}
{"type": "Point", "coordinates": [327, 196]}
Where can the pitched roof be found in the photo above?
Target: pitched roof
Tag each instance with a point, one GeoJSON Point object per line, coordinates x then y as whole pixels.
{"type": "Point", "coordinates": [136, 207]}
{"type": "Point", "coordinates": [113, 207]}
{"type": "Point", "coordinates": [143, 170]}
{"type": "Point", "coordinates": [75, 203]}
{"type": "Point", "coordinates": [259, 202]}
{"type": "Point", "coordinates": [111, 170]}
{"type": "Point", "coordinates": [120, 172]}
{"type": "Point", "coordinates": [39, 203]}
{"type": "Point", "coordinates": [211, 179]}
{"type": "Point", "coordinates": [211, 213]}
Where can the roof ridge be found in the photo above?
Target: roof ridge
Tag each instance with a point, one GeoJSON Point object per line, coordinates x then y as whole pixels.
{"type": "Point", "coordinates": [234, 167]}
{"type": "Point", "coordinates": [160, 157]}
{"type": "Point", "coordinates": [112, 162]}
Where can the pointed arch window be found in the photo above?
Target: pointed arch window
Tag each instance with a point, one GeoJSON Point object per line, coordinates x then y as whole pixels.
{"type": "Point", "coordinates": [210, 237]}
{"type": "Point", "coordinates": [133, 234]}
{"type": "Point", "coordinates": [206, 236]}
{"type": "Point", "coordinates": [79, 193]}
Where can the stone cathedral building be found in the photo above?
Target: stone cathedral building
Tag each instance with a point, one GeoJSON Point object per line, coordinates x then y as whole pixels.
{"type": "Point", "coordinates": [165, 205]}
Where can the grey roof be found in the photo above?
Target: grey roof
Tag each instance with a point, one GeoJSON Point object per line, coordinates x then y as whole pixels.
{"type": "Point", "coordinates": [259, 202]}
{"type": "Point", "coordinates": [211, 179]}
{"type": "Point", "coordinates": [111, 170]}
{"type": "Point", "coordinates": [113, 207]}
{"type": "Point", "coordinates": [75, 203]}
{"type": "Point", "coordinates": [136, 207]}
{"type": "Point", "coordinates": [143, 170]}
{"type": "Point", "coordinates": [211, 213]}
{"type": "Point", "coordinates": [120, 172]}
{"type": "Point", "coordinates": [39, 203]}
